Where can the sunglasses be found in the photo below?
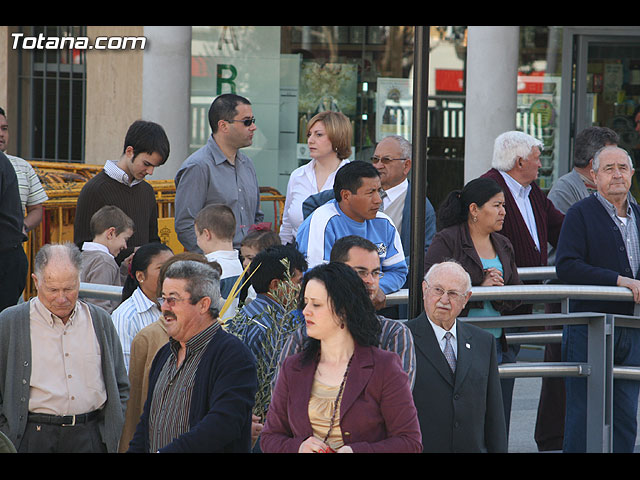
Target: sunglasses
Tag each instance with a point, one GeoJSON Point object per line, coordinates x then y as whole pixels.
{"type": "Point", "coordinates": [247, 123]}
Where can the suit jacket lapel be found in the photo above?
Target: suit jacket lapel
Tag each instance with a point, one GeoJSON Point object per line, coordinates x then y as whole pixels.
{"type": "Point", "coordinates": [360, 372]}
{"type": "Point", "coordinates": [425, 341]}
{"type": "Point", "coordinates": [464, 357]}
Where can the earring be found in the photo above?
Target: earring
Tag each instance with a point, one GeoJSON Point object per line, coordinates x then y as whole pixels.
{"type": "Point", "coordinates": [475, 219]}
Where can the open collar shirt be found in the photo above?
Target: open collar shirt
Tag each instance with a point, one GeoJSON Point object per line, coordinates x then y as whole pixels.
{"type": "Point", "coordinates": [172, 392]}
{"type": "Point", "coordinates": [520, 194]}
{"type": "Point", "coordinates": [628, 230]}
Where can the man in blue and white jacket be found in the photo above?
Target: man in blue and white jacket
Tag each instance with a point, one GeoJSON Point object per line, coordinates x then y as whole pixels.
{"type": "Point", "coordinates": [355, 211]}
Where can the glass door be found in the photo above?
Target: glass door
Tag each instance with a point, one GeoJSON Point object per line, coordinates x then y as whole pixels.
{"type": "Point", "coordinates": [606, 81]}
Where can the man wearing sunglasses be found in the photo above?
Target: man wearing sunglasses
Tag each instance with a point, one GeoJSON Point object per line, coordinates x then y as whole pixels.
{"type": "Point", "coordinates": [219, 173]}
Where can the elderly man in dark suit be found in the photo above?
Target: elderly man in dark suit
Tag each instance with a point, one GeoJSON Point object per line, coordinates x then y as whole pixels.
{"type": "Point", "coordinates": [457, 389]}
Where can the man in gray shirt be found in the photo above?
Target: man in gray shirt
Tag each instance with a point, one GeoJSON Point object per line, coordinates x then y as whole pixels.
{"type": "Point", "coordinates": [219, 173]}
{"type": "Point", "coordinates": [578, 184]}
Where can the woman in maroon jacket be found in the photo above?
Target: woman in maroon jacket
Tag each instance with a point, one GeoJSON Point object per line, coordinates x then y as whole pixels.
{"type": "Point", "coordinates": [341, 393]}
{"type": "Point", "coordinates": [468, 223]}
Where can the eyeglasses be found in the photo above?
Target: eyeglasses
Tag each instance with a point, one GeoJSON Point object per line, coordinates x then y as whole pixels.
{"type": "Point", "coordinates": [453, 295]}
{"type": "Point", "coordinates": [247, 122]}
{"type": "Point", "coordinates": [364, 273]}
{"type": "Point", "coordinates": [171, 300]}
{"type": "Point", "coordinates": [384, 160]}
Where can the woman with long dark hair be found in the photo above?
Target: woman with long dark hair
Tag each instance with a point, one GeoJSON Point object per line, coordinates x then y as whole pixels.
{"type": "Point", "coordinates": [468, 223]}
{"type": "Point", "coordinates": [341, 393]}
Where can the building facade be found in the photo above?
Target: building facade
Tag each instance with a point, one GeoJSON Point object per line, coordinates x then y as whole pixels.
{"type": "Point", "coordinates": [73, 100]}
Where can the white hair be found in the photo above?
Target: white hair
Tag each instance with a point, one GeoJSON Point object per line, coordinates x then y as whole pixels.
{"type": "Point", "coordinates": [510, 146]}
{"type": "Point", "coordinates": [596, 158]}
{"type": "Point", "coordinates": [450, 265]}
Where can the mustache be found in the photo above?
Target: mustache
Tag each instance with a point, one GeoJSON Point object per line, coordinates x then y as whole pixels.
{"type": "Point", "coordinates": [442, 305]}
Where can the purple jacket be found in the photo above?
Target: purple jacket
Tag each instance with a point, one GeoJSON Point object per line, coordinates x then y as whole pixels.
{"type": "Point", "coordinates": [377, 413]}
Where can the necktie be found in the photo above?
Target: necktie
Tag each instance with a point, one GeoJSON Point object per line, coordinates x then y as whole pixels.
{"type": "Point", "coordinates": [383, 195]}
{"type": "Point", "coordinates": [448, 351]}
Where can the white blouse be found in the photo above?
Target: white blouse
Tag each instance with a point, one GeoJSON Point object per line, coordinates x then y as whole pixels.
{"type": "Point", "coordinates": [302, 184]}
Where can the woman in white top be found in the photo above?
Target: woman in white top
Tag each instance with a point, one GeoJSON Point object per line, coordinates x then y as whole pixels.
{"type": "Point", "coordinates": [139, 306]}
{"type": "Point", "coordinates": [329, 137]}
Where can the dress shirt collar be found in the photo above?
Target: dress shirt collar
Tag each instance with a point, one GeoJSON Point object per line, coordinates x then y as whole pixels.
{"type": "Point", "coordinates": [517, 190]}
{"type": "Point", "coordinates": [141, 302]}
{"type": "Point", "coordinates": [112, 169]}
{"type": "Point", "coordinates": [440, 332]}
{"type": "Point", "coordinates": [219, 157]}
{"type": "Point", "coordinates": [52, 318]}
{"type": "Point", "coordinates": [270, 301]}
{"type": "Point", "coordinates": [94, 246]}
{"type": "Point", "coordinates": [395, 192]}
{"type": "Point", "coordinates": [611, 208]}
{"type": "Point", "coordinates": [310, 173]}
{"type": "Point", "coordinates": [198, 341]}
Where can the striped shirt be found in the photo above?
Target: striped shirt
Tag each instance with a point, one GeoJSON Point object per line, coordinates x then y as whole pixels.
{"type": "Point", "coordinates": [171, 401]}
{"type": "Point", "coordinates": [112, 169]}
{"type": "Point", "coordinates": [260, 311]}
{"type": "Point", "coordinates": [131, 316]}
{"type": "Point", "coordinates": [29, 186]}
{"type": "Point", "coordinates": [628, 230]}
{"type": "Point", "coordinates": [394, 337]}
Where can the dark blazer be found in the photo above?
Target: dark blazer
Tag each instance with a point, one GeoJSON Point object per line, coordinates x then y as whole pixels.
{"type": "Point", "coordinates": [377, 413]}
{"type": "Point", "coordinates": [548, 224]}
{"type": "Point", "coordinates": [454, 243]}
{"type": "Point", "coordinates": [591, 251]}
{"type": "Point", "coordinates": [221, 401]}
{"type": "Point", "coordinates": [461, 412]}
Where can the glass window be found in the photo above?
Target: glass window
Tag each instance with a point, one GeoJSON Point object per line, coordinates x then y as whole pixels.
{"type": "Point", "coordinates": [51, 93]}
{"type": "Point", "coordinates": [539, 90]}
{"type": "Point", "coordinates": [290, 73]}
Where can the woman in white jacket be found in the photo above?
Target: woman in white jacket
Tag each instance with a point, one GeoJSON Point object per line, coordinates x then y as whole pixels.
{"type": "Point", "coordinates": [329, 136]}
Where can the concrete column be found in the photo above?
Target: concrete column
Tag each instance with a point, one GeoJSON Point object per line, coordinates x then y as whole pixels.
{"type": "Point", "coordinates": [491, 93]}
{"type": "Point", "coordinates": [166, 90]}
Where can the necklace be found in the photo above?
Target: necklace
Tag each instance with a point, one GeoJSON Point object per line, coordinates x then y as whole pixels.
{"type": "Point", "coordinates": [335, 407]}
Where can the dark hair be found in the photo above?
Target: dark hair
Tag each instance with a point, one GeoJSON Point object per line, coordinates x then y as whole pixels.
{"type": "Point", "coordinates": [261, 239]}
{"type": "Point", "coordinates": [218, 219]}
{"type": "Point", "coordinates": [107, 217]}
{"type": "Point", "coordinates": [267, 265]}
{"type": "Point", "coordinates": [224, 108]}
{"type": "Point", "coordinates": [349, 177]}
{"type": "Point", "coordinates": [342, 247]}
{"type": "Point", "coordinates": [2, 112]}
{"type": "Point", "coordinates": [455, 208]}
{"type": "Point", "coordinates": [139, 263]}
{"type": "Point", "coordinates": [589, 141]}
{"type": "Point", "coordinates": [147, 137]}
{"type": "Point", "coordinates": [349, 300]}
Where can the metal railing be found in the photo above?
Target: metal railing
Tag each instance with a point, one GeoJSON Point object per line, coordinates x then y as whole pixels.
{"type": "Point", "coordinates": [599, 370]}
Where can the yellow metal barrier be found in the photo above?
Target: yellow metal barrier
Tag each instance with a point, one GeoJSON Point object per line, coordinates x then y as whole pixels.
{"type": "Point", "coordinates": [63, 182]}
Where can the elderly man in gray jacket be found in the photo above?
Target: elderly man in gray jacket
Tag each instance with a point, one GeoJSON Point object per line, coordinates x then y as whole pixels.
{"type": "Point", "coordinates": [63, 384]}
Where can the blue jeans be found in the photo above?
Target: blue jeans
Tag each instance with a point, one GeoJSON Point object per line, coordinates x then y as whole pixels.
{"type": "Point", "coordinates": [626, 344]}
